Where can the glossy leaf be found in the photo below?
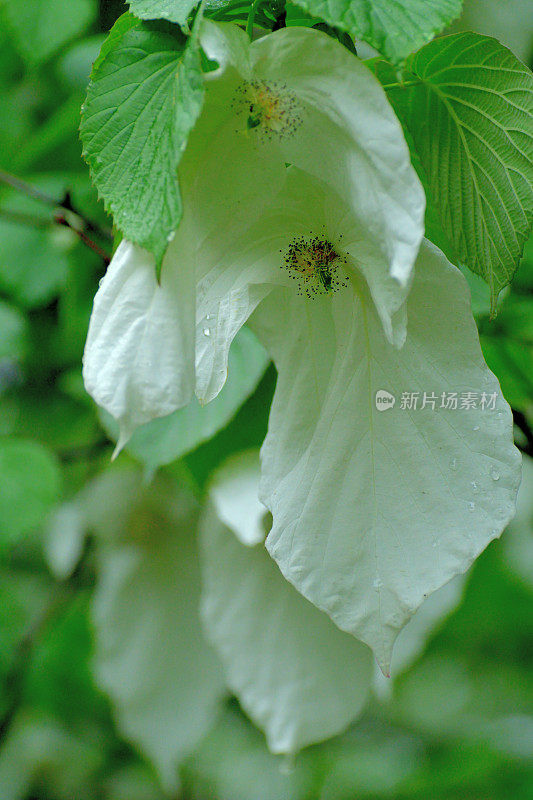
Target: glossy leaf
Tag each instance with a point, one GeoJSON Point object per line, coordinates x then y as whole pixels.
{"type": "Point", "coordinates": [145, 95]}
{"type": "Point", "coordinates": [479, 98]}
{"type": "Point", "coordinates": [395, 29]}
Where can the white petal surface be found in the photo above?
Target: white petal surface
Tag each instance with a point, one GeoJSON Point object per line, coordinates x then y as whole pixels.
{"type": "Point", "coordinates": [228, 45]}
{"type": "Point", "coordinates": [151, 658]}
{"type": "Point", "coordinates": [230, 179]}
{"type": "Point", "coordinates": [341, 129]}
{"type": "Point", "coordinates": [413, 639]}
{"type": "Point", "coordinates": [374, 510]}
{"type": "Point", "coordinates": [234, 494]}
{"type": "Point", "coordinates": [349, 137]}
{"type": "Point", "coordinates": [239, 269]}
{"type": "Point", "coordinates": [295, 673]}
{"type": "Point", "coordinates": [139, 356]}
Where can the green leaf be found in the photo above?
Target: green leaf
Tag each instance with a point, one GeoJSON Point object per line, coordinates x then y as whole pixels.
{"type": "Point", "coordinates": [52, 418]}
{"type": "Point", "coordinates": [41, 750]}
{"type": "Point", "coordinates": [13, 333]}
{"type": "Point", "coordinates": [512, 361]}
{"type": "Point", "coordinates": [394, 28]}
{"type": "Point", "coordinates": [173, 10]}
{"type": "Point", "coordinates": [32, 281]}
{"type": "Point", "coordinates": [479, 98]}
{"type": "Point", "coordinates": [22, 597]}
{"type": "Point", "coordinates": [59, 668]}
{"type": "Point", "coordinates": [145, 95]}
{"type": "Point", "coordinates": [29, 486]}
{"type": "Point", "coordinates": [40, 27]}
{"type": "Point", "coordinates": [372, 762]}
{"type": "Point", "coordinates": [233, 763]}
{"type": "Point", "coordinates": [165, 439]}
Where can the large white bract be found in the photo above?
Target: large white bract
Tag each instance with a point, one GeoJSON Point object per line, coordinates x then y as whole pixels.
{"type": "Point", "coordinates": [372, 509]}
{"type": "Point", "coordinates": [295, 673]}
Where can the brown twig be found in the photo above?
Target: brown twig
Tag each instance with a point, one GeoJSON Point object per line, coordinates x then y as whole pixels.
{"type": "Point", "coordinates": [65, 204]}
{"type": "Point", "coordinates": [64, 219]}
{"type": "Point", "coordinates": [24, 219]}
{"type": "Point", "coordinates": [27, 188]}
{"type": "Point", "coordinates": [65, 214]}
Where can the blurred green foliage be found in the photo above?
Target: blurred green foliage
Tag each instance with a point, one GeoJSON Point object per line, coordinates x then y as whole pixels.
{"type": "Point", "coordinates": [457, 724]}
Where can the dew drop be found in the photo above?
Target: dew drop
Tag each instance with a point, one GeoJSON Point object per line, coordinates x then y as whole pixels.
{"type": "Point", "coordinates": [378, 583]}
{"type": "Point", "coordinates": [471, 506]}
{"type": "Point", "coordinates": [207, 332]}
{"type": "Point", "coordinates": [476, 427]}
{"type": "Point", "coordinates": [474, 486]}
{"type": "Point", "coordinates": [171, 236]}
{"type": "Point", "coordinates": [494, 474]}
{"type": "Point", "coordinates": [453, 464]}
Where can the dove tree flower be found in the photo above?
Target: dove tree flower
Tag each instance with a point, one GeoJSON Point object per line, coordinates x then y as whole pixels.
{"type": "Point", "coordinates": [301, 98]}
{"type": "Point", "coordinates": [294, 97]}
{"type": "Point", "coordinates": [372, 509]}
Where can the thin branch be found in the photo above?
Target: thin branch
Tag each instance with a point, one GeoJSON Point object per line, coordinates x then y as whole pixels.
{"type": "Point", "coordinates": [65, 219]}
{"type": "Point", "coordinates": [64, 204]}
{"type": "Point", "coordinates": [27, 189]}
{"type": "Point", "coordinates": [67, 204]}
{"type": "Point", "coordinates": [24, 219]}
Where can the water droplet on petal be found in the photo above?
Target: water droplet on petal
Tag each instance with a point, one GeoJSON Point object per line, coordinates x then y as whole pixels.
{"type": "Point", "coordinates": [471, 506]}
{"type": "Point", "coordinates": [476, 427]}
{"type": "Point", "coordinates": [207, 332]}
{"type": "Point", "coordinates": [494, 474]}
{"type": "Point", "coordinates": [474, 486]}
{"type": "Point", "coordinates": [453, 464]}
